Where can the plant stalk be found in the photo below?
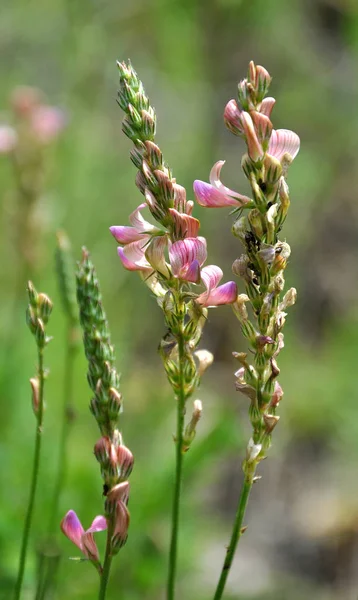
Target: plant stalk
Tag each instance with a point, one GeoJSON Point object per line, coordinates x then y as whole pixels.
{"type": "Point", "coordinates": [236, 532]}
{"type": "Point", "coordinates": [106, 565]}
{"type": "Point", "coordinates": [178, 475]}
{"type": "Point", "coordinates": [35, 472]}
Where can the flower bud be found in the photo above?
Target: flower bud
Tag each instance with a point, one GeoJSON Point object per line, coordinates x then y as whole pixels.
{"type": "Point", "coordinates": [120, 533]}
{"type": "Point", "coordinates": [252, 451]}
{"type": "Point", "coordinates": [44, 307]}
{"type": "Point", "coordinates": [190, 430]}
{"type": "Point", "coordinates": [270, 422]}
{"type": "Point", "coordinates": [148, 123]}
{"type": "Point", "coordinates": [125, 461]}
{"type": "Point", "coordinates": [232, 118]}
{"type": "Point", "coordinates": [239, 307]}
{"type": "Point", "coordinates": [205, 359]}
{"type": "Point", "coordinates": [289, 299]}
{"type": "Point", "coordinates": [35, 386]}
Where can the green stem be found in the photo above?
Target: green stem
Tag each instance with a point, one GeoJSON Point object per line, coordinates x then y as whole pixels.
{"type": "Point", "coordinates": [46, 582]}
{"type": "Point", "coordinates": [35, 472]}
{"type": "Point", "coordinates": [106, 565]}
{"type": "Point", "coordinates": [178, 475]}
{"type": "Point", "coordinates": [236, 532]}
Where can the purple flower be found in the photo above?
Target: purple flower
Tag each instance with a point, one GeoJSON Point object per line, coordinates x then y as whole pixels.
{"type": "Point", "coordinates": [71, 526]}
{"type": "Point", "coordinates": [216, 194]}
{"type": "Point", "coordinates": [216, 294]}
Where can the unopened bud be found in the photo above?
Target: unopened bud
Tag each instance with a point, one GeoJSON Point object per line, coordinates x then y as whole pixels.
{"type": "Point", "coordinates": [148, 123]}
{"type": "Point", "coordinates": [35, 385]}
{"type": "Point", "coordinates": [277, 395]}
{"type": "Point", "coordinates": [205, 359]}
{"type": "Point", "coordinates": [32, 293]}
{"type": "Point", "coordinates": [271, 422]}
{"type": "Point", "coordinates": [190, 430]}
{"type": "Point", "coordinates": [239, 307]}
{"type": "Point", "coordinates": [232, 118]}
{"type": "Point", "coordinates": [125, 461]}
{"type": "Point", "coordinates": [120, 533]}
{"type": "Point", "coordinates": [40, 333]}
{"type": "Point", "coordinates": [252, 451]}
{"type": "Point", "coordinates": [44, 307]}
{"type": "Point", "coordinates": [289, 299]}
{"type": "Point", "coordinates": [239, 228]}
{"type": "Point", "coordinates": [102, 450]}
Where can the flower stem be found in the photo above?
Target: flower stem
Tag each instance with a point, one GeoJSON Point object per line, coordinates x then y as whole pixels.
{"type": "Point", "coordinates": [35, 472]}
{"type": "Point", "coordinates": [178, 475]}
{"type": "Point", "coordinates": [106, 565]}
{"type": "Point", "coordinates": [236, 532]}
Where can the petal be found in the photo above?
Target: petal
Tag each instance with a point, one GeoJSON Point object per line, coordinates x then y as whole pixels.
{"type": "Point", "coordinates": [90, 547]}
{"type": "Point", "coordinates": [283, 141]}
{"type": "Point", "coordinates": [72, 528]}
{"type": "Point", "coordinates": [210, 197]}
{"type": "Point", "coordinates": [224, 294]}
{"type": "Point", "coordinates": [214, 179]}
{"type": "Point", "coordinates": [125, 234]}
{"type": "Point", "coordinates": [211, 276]}
{"type": "Point", "coordinates": [193, 272]}
{"type": "Point", "coordinates": [254, 147]}
{"type": "Point", "coordinates": [139, 223]}
{"type": "Point", "coordinates": [155, 255]}
{"type": "Point", "coordinates": [99, 523]}
{"type": "Point", "coordinates": [184, 225]}
{"type": "Point", "coordinates": [267, 105]}
{"type": "Point", "coordinates": [232, 117]}
{"type": "Point", "coordinates": [133, 256]}
{"type": "Point", "coordinates": [184, 252]}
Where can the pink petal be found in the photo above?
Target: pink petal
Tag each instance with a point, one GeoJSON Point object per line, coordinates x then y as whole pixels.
{"type": "Point", "coordinates": [72, 528]}
{"type": "Point", "coordinates": [193, 272]}
{"type": "Point", "coordinates": [214, 179]}
{"type": "Point", "coordinates": [184, 252]}
{"type": "Point", "coordinates": [283, 141]}
{"type": "Point", "coordinates": [133, 257]}
{"type": "Point", "coordinates": [211, 276]}
{"type": "Point", "coordinates": [125, 234]}
{"type": "Point", "coordinates": [139, 223]}
{"type": "Point", "coordinates": [184, 225]}
{"type": "Point", "coordinates": [210, 197]}
{"type": "Point", "coordinates": [99, 523]}
{"type": "Point", "coordinates": [90, 547]}
{"type": "Point", "coordinates": [224, 294]}
{"type": "Point", "coordinates": [267, 105]}
{"type": "Point", "coordinates": [232, 117]}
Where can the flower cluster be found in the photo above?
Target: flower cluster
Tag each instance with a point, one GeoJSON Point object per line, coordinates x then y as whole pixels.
{"type": "Point", "coordinates": [269, 154]}
{"type": "Point", "coordinates": [115, 459]}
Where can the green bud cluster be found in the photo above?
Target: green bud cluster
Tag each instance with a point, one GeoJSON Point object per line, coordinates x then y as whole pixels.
{"type": "Point", "coordinates": [154, 178]}
{"type": "Point", "coordinates": [37, 315]}
{"type": "Point", "coordinates": [102, 375]}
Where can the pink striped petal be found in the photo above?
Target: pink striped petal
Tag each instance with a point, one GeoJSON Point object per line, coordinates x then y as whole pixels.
{"type": "Point", "coordinates": [72, 528]}
{"type": "Point", "coordinates": [193, 272]}
{"type": "Point", "coordinates": [267, 105]}
{"type": "Point", "coordinates": [232, 117]}
{"type": "Point", "coordinates": [184, 252]}
{"type": "Point", "coordinates": [211, 276]}
{"type": "Point", "coordinates": [124, 234]}
{"type": "Point", "coordinates": [133, 256]}
{"type": "Point", "coordinates": [224, 294]}
{"type": "Point", "coordinates": [283, 141]}
{"type": "Point", "coordinates": [139, 223]}
{"type": "Point", "coordinates": [210, 197]}
{"type": "Point", "coordinates": [215, 181]}
{"type": "Point", "coordinates": [184, 225]}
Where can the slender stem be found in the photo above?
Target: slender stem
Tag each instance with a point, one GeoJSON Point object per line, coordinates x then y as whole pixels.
{"type": "Point", "coordinates": [236, 532]}
{"type": "Point", "coordinates": [106, 565]}
{"type": "Point", "coordinates": [71, 351]}
{"type": "Point", "coordinates": [178, 475]}
{"type": "Point", "coordinates": [47, 573]}
{"type": "Point", "coordinates": [35, 472]}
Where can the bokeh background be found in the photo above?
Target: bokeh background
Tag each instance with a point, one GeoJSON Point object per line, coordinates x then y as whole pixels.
{"type": "Point", "coordinates": [302, 539]}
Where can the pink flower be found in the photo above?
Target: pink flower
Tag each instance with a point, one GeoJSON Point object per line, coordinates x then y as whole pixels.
{"type": "Point", "coordinates": [186, 257]}
{"type": "Point", "coordinates": [141, 229]}
{"type": "Point", "coordinates": [133, 256]}
{"type": "Point", "coordinates": [215, 294]}
{"type": "Point", "coordinates": [267, 105]}
{"type": "Point", "coordinates": [283, 141]}
{"type": "Point", "coordinates": [216, 194]}
{"type": "Point", "coordinates": [72, 528]}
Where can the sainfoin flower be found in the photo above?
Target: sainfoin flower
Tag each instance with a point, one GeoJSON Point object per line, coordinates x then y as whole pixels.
{"type": "Point", "coordinates": [215, 194]}
{"type": "Point", "coordinates": [72, 527]}
{"type": "Point", "coordinates": [144, 250]}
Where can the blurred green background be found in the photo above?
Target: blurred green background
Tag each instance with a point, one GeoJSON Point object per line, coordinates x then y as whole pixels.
{"type": "Point", "coordinates": [302, 539]}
